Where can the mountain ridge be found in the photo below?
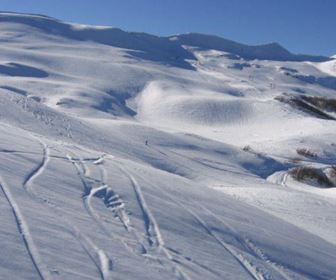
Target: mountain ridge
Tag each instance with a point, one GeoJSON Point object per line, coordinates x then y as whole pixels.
{"type": "Point", "coordinates": [157, 44]}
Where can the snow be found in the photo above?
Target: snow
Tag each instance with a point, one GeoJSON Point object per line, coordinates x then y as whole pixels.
{"type": "Point", "coordinates": [328, 67]}
{"type": "Point", "coordinates": [130, 156]}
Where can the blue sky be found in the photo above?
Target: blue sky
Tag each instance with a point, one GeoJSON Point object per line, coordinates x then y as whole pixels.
{"type": "Point", "coordinates": [302, 26]}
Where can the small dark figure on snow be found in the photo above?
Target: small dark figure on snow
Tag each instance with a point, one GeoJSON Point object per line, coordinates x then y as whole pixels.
{"type": "Point", "coordinates": [146, 142]}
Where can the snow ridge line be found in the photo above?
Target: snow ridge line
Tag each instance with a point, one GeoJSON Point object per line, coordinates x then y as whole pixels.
{"type": "Point", "coordinates": [24, 231]}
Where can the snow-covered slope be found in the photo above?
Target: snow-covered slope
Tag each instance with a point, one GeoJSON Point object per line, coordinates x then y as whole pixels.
{"type": "Point", "coordinates": [130, 156]}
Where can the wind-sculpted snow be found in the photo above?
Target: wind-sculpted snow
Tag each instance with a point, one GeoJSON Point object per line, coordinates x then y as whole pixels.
{"type": "Point", "coordinates": [20, 70]}
{"type": "Point", "coordinates": [129, 156]}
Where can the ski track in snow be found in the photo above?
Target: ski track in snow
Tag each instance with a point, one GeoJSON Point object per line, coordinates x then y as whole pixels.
{"type": "Point", "coordinates": [258, 252]}
{"type": "Point", "coordinates": [153, 233]}
{"type": "Point", "coordinates": [244, 262]}
{"type": "Point", "coordinates": [155, 239]}
{"type": "Point", "coordinates": [87, 196]}
{"type": "Point", "coordinates": [117, 206]}
{"type": "Point", "coordinates": [111, 199]}
{"type": "Point", "coordinates": [254, 271]}
{"type": "Point", "coordinates": [24, 231]}
{"type": "Point", "coordinates": [251, 269]}
{"type": "Point", "coordinates": [105, 264]}
{"type": "Point", "coordinates": [27, 184]}
{"type": "Point", "coordinates": [254, 249]}
{"type": "Point", "coordinates": [112, 202]}
{"type": "Point", "coordinates": [22, 224]}
{"type": "Point", "coordinates": [191, 261]}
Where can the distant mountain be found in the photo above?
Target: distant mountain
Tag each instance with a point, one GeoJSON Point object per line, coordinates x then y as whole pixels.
{"type": "Point", "coordinates": [154, 47]}
{"type": "Point", "coordinates": [272, 51]}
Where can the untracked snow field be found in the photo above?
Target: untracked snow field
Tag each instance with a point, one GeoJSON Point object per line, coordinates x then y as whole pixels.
{"type": "Point", "coordinates": [129, 156]}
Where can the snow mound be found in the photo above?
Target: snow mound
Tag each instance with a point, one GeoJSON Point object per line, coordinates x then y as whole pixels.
{"type": "Point", "coordinates": [163, 104]}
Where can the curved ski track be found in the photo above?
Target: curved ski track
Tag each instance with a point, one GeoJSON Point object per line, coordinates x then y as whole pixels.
{"type": "Point", "coordinates": [24, 231]}
{"type": "Point", "coordinates": [105, 264]}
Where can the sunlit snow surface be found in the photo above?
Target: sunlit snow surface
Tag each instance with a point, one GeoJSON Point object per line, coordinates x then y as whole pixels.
{"type": "Point", "coordinates": [130, 156]}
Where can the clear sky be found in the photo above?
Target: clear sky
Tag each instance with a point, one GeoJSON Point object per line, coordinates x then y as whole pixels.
{"type": "Point", "coordinates": [302, 26]}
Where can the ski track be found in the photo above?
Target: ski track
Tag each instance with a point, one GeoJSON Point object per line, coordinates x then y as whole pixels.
{"type": "Point", "coordinates": [27, 184]}
{"type": "Point", "coordinates": [111, 199]}
{"type": "Point", "coordinates": [192, 262]}
{"type": "Point", "coordinates": [105, 264]}
{"type": "Point", "coordinates": [153, 232]}
{"type": "Point", "coordinates": [154, 235]}
{"type": "Point", "coordinates": [248, 244]}
{"type": "Point", "coordinates": [256, 251]}
{"type": "Point", "coordinates": [113, 202]}
{"type": "Point", "coordinates": [22, 225]}
{"type": "Point", "coordinates": [252, 270]}
{"type": "Point", "coordinates": [24, 231]}
{"type": "Point", "coordinates": [89, 192]}
{"type": "Point", "coordinates": [155, 240]}
{"type": "Point", "coordinates": [245, 263]}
